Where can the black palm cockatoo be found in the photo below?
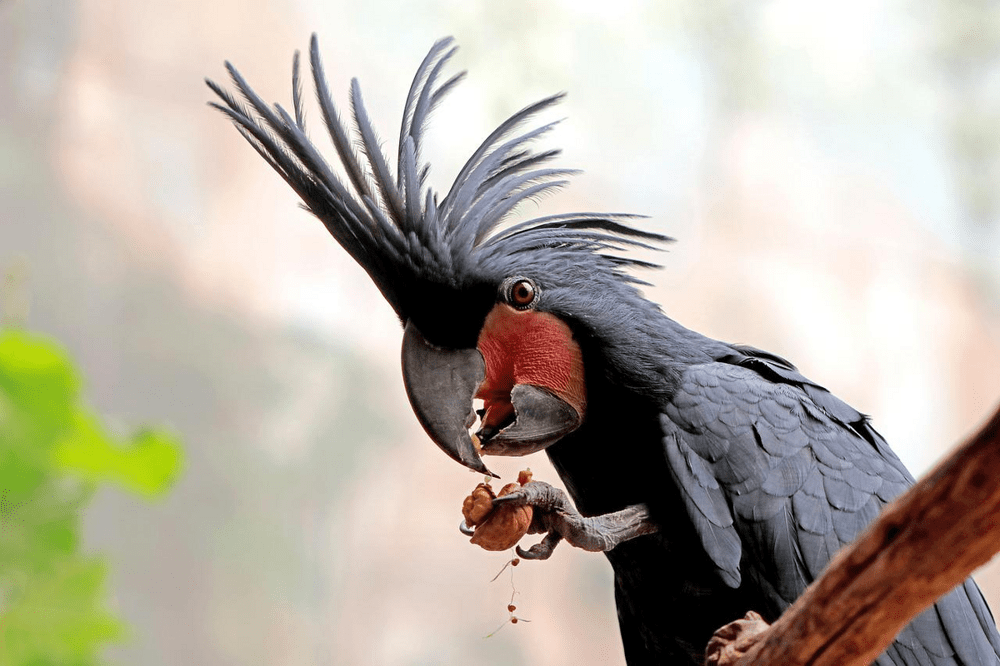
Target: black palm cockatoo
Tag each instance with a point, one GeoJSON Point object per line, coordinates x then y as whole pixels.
{"type": "Point", "coordinates": [716, 478]}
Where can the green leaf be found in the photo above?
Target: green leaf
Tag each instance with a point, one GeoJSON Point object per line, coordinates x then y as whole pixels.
{"type": "Point", "coordinates": [37, 378]}
{"type": "Point", "coordinates": [147, 464]}
{"type": "Point", "coordinates": [59, 618]}
{"type": "Point", "coordinates": [53, 453]}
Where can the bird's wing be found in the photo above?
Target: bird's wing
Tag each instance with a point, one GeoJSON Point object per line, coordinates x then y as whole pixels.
{"type": "Point", "coordinates": [777, 474]}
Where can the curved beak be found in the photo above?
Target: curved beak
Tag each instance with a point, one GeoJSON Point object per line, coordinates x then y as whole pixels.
{"type": "Point", "coordinates": [441, 384]}
{"type": "Point", "coordinates": [541, 419]}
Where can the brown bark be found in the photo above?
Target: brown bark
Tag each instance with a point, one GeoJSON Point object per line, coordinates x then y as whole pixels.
{"type": "Point", "coordinates": [921, 546]}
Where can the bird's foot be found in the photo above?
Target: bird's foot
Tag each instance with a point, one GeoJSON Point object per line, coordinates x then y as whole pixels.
{"type": "Point", "coordinates": [731, 642]}
{"type": "Point", "coordinates": [557, 518]}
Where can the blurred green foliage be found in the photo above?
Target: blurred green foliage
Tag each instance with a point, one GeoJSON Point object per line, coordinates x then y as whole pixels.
{"type": "Point", "coordinates": [54, 453]}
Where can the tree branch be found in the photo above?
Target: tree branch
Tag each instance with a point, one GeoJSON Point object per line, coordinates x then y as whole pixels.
{"type": "Point", "coordinates": [921, 546]}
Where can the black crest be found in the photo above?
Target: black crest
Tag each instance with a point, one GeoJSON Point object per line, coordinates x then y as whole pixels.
{"type": "Point", "coordinates": [394, 225]}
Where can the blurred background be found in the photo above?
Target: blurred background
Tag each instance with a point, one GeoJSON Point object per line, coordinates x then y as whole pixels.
{"type": "Point", "coordinates": [831, 173]}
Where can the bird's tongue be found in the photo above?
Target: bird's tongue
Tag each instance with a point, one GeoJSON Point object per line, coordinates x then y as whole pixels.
{"type": "Point", "coordinates": [498, 412]}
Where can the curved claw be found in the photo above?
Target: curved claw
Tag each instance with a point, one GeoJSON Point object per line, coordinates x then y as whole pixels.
{"type": "Point", "coordinates": [465, 529]}
{"type": "Point", "coordinates": [515, 498]}
{"type": "Point", "coordinates": [541, 550]}
{"type": "Point", "coordinates": [538, 494]}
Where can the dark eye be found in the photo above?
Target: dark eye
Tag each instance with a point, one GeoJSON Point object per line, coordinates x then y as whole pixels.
{"type": "Point", "coordinates": [521, 293]}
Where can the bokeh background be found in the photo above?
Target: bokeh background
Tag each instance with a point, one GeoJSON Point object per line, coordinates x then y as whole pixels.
{"type": "Point", "coordinates": [831, 172]}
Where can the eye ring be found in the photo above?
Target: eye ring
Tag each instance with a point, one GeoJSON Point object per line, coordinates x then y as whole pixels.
{"type": "Point", "coordinates": [520, 292]}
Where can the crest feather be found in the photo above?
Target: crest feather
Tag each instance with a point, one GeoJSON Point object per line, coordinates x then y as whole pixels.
{"type": "Point", "coordinates": [394, 225]}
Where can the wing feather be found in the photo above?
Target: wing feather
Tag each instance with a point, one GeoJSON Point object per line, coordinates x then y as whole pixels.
{"type": "Point", "coordinates": [777, 475]}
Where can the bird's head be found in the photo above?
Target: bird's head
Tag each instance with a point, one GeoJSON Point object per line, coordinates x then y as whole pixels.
{"type": "Point", "coordinates": [491, 310]}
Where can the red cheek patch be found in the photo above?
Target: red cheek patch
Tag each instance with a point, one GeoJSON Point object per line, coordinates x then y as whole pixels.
{"type": "Point", "coordinates": [528, 347]}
